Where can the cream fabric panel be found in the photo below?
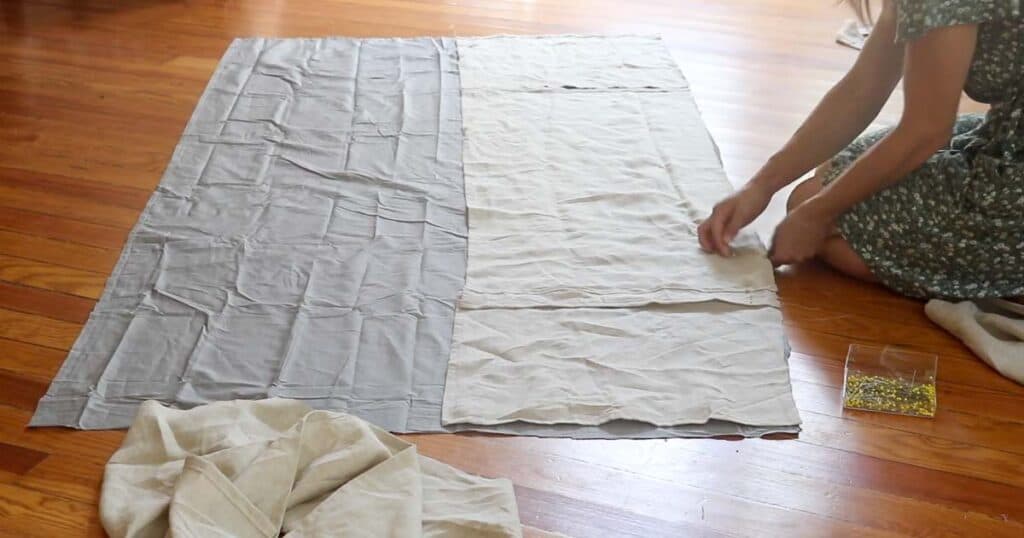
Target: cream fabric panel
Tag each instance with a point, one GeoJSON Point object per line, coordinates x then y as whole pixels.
{"type": "Point", "coordinates": [588, 299]}
{"type": "Point", "coordinates": [665, 365]}
{"type": "Point", "coordinates": [587, 173]}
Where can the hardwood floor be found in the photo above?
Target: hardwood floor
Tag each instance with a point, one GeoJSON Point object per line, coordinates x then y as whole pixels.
{"type": "Point", "coordinates": [93, 97]}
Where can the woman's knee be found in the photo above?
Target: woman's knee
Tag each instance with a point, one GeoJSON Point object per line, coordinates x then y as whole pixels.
{"type": "Point", "coordinates": [838, 254]}
{"type": "Point", "coordinates": [808, 187]}
{"type": "Point", "coordinates": [805, 190]}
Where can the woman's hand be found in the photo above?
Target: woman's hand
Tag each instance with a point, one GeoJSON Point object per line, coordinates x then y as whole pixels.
{"type": "Point", "coordinates": [730, 215]}
{"type": "Point", "coordinates": [799, 236]}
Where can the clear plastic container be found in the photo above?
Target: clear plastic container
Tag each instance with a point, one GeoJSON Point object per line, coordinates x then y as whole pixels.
{"type": "Point", "coordinates": [890, 380]}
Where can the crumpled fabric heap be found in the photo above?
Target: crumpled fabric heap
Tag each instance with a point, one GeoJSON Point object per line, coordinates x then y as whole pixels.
{"type": "Point", "coordinates": [275, 467]}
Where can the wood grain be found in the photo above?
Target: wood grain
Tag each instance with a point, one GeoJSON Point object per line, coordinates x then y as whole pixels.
{"type": "Point", "coordinates": [95, 93]}
{"type": "Point", "coordinates": [29, 359]}
{"type": "Point", "coordinates": [58, 253]}
{"type": "Point", "coordinates": [39, 330]}
{"type": "Point", "coordinates": [20, 391]}
{"type": "Point", "coordinates": [39, 301]}
{"type": "Point", "coordinates": [46, 195]}
{"type": "Point", "coordinates": [42, 275]}
{"type": "Point", "coordinates": [19, 460]}
{"type": "Point", "coordinates": [62, 228]}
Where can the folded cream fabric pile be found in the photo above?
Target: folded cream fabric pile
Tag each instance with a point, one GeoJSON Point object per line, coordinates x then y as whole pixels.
{"type": "Point", "coordinates": [993, 329]}
{"type": "Point", "coordinates": [274, 467]}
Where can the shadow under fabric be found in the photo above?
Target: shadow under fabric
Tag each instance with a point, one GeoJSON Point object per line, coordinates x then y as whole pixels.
{"type": "Point", "coordinates": [308, 240]}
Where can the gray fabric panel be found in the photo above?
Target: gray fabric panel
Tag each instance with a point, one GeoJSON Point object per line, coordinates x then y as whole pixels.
{"type": "Point", "coordinates": [307, 241]}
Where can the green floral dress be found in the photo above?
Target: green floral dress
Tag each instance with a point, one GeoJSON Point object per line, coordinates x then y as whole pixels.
{"type": "Point", "coordinates": [954, 228]}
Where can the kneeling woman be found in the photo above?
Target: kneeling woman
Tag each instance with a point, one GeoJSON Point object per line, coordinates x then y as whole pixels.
{"type": "Point", "coordinates": [933, 207]}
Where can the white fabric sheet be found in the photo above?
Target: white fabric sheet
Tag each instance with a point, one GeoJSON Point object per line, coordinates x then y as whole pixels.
{"type": "Point", "coordinates": [588, 299]}
{"type": "Point", "coordinates": [538, 63]}
{"type": "Point", "coordinates": [275, 467]}
{"type": "Point", "coordinates": [667, 365]}
{"type": "Point", "coordinates": [591, 197]}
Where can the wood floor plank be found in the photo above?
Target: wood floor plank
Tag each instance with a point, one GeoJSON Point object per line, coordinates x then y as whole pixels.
{"type": "Point", "coordinates": [88, 444]}
{"type": "Point", "coordinates": [194, 68]}
{"type": "Point", "coordinates": [37, 330]}
{"type": "Point", "coordinates": [30, 359]}
{"type": "Point", "coordinates": [71, 124]}
{"type": "Point", "coordinates": [19, 460]}
{"type": "Point", "coordinates": [697, 496]}
{"type": "Point", "coordinates": [577, 518]}
{"type": "Point", "coordinates": [108, 195]}
{"type": "Point", "coordinates": [852, 326]}
{"type": "Point", "coordinates": [829, 468]}
{"type": "Point", "coordinates": [955, 363]}
{"type": "Point", "coordinates": [62, 228]}
{"type": "Point", "coordinates": [46, 276]}
{"type": "Point", "coordinates": [675, 503]}
{"type": "Point", "coordinates": [57, 253]}
{"type": "Point", "coordinates": [21, 391]}
{"type": "Point", "coordinates": [916, 449]}
{"type": "Point", "coordinates": [807, 287]}
{"type": "Point", "coordinates": [54, 305]}
{"type": "Point", "coordinates": [105, 161]}
{"type": "Point", "coordinates": [31, 514]}
{"type": "Point", "coordinates": [60, 201]}
{"type": "Point", "coordinates": [957, 426]}
{"type": "Point", "coordinates": [76, 478]}
{"type": "Point", "coordinates": [953, 397]}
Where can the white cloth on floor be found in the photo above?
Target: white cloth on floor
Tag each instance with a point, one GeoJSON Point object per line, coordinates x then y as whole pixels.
{"type": "Point", "coordinates": [993, 329]}
{"type": "Point", "coordinates": [271, 467]}
{"type": "Point", "coordinates": [588, 169]}
{"type": "Point", "coordinates": [667, 365]}
{"type": "Point", "coordinates": [588, 299]}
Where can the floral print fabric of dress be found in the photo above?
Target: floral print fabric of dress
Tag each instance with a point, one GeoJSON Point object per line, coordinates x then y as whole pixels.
{"type": "Point", "coordinates": [954, 227]}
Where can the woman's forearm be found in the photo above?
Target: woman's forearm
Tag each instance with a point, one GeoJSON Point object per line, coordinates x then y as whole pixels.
{"type": "Point", "coordinates": [840, 116]}
{"type": "Point", "coordinates": [845, 111]}
{"type": "Point", "coordinates": [937, 67]}
{"type": "Point", "coordinates": [885, 164]}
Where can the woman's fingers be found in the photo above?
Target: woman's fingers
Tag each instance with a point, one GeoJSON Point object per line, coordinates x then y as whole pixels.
{"type": "Point", "coordinates": [733, 227]}
{"type": "Point", "coordinates": [708, 230]}
{"type": "Point", "coordinates": [729, 217]}
{"type": "Point", "coordinates": [718, 230]}
{"type": "Point", "coordinates": [782, 253]}
{"type": "Point", "coordinates": [776, 252]}
{"type": "Point", "coordinates": [704, 234]}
